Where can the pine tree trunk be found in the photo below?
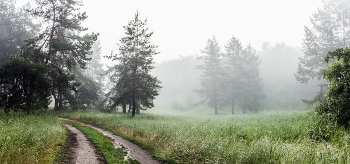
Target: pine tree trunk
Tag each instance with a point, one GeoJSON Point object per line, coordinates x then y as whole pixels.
{"type": "Point", "coordinates": [124, 107]}
{"type": "Point", "coordinates": [138, 110]}
{"type": "Point", "coordinates": [55, 108]}
{"type": "Point", "coordinates": [133, 106]}
{"type": "Point", "coordinates": [129, 108]}
{"type": "Point", "coordinates": [233, 106]}
{"type": "Point", "coordinates": [58, 101]}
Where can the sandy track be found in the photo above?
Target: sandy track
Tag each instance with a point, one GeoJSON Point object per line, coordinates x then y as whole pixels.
{"type": "Point", "coordinates": [133, 151]}
{"type": "Point", "coordinates": [84, 153]}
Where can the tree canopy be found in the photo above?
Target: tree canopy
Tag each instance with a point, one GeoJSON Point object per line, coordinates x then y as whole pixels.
{"type": "Point", "coordinates": [336, 104]}
{"type": "Point", "coordinates": [133, 83]}
{"type": "Point", "coordinates": [329, 31]}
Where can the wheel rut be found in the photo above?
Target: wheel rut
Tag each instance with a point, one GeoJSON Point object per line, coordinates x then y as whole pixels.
{"type": "Point", "coordinates": [82, 150]}
{"type": "Point", "coordinates": [133, 151]}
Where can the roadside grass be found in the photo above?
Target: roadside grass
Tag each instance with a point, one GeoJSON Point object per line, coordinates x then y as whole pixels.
{"type": "Point", "coordinates": [103, 143]}
{"type": "Point", "coordinates": [62, 155]}
{"type": "Point", "coordinates": [29, 138]}
{"type": "Point", "coordinates": [294, 137]}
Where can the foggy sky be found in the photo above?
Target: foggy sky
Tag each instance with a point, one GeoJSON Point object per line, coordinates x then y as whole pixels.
{"type": "Point", "coordinates": [182, 27]}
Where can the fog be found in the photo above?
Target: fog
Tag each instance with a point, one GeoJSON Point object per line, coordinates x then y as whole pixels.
{"type": "Point", "coordinates": [279, 62]}
{"type": "Point", "coordinates": [181, 28]}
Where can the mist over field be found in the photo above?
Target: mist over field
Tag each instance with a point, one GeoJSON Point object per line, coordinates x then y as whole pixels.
{"type": "Point", "coordinates": [279, 62]}
{"type": "Point", "coordinates": [272, 28]}
{"type": "Point", "coordinates": [175, 81]}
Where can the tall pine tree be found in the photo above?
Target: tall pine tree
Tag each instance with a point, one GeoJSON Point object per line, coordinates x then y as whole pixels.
{"type": "Point", "coordinates": [63, 45]}
{"type": "Point", "coordinates": [251, 92]}
{"type": "Point", "coordinates": [233, 67]}
{"type": "Point", "coordinates": [211, 86]}
{"type": "Point", "coordinates": [133, 82]}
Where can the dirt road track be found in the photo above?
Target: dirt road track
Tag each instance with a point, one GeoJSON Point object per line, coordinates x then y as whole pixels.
{"type": "Point", "coordinates": [84, 153]}
{"type": "Point", "coordinates": [133, 151]}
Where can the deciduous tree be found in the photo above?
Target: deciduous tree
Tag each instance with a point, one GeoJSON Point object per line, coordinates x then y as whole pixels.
{"type": "Point", "coordinates": [336, 104]}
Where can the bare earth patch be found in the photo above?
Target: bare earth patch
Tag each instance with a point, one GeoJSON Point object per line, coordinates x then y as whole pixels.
{"type": "Point", "coordinates": [133, 151]}
{"type": "Point", "coordinates": [83, 152]}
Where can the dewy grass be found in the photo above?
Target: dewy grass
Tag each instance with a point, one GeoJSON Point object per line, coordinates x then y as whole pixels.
{"type": "Point", "coordinates": [29, 139]}
{"type": "Point", "coordinates": [104, 143]}
{"type": "Point", "coordinates": [62, 155]}
{"type": "Point", "coordinates": [270, 138]}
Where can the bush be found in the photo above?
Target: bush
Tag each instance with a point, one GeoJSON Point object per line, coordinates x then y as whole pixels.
{"type": "Point", "coordinates": [336, 104]}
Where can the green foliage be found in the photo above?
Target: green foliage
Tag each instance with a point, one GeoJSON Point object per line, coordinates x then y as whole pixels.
{"type": "Point", "coordinates": [103, 142]}
{"type": "Point", "coordinates": [264, 138]}
{"type": "Point", "coordinates": [29, 138]}
{"type": "Point", "coordinates": [89, 91]}
{"type": "Point", "coordinates": [63, 45]}
{"type": "Point", "coordinates": [133, 83]}
{"type": "Point", "coordinates": [27, 84]}
{"type": "Point", "coordinates": [322, 37]}
{"type": "Point", "coordinates": [336, 104]}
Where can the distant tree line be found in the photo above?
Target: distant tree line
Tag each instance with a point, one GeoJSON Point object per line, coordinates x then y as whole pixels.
{"type": "Point", "coordinates": [231, 77]}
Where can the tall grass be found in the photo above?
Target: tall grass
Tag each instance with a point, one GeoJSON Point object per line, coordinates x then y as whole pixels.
{"type": "Point", "coordinates": [29, 139]}
{"type": "Point", "coordinates": [270, 138]}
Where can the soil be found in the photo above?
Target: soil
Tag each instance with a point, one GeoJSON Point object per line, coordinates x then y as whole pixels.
{"type": "Point", "coordinates": [81, 149]}
{"type": "Point", "coordinates": [133, 151]}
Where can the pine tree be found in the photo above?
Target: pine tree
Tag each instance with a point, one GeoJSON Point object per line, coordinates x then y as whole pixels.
{"type": "Point", "coordinates": [251, 86]}
{"type": "Point", "coordinates": [62, 44]}
{"type": "Point", "coordinates": [28, 88]}
{"type": "Point", "coordinates": [210, 81]}
{"type": "Point", "coordinates": [330, 30]}
{"type": "Point", "coordinates": [131, 75]}
{"type": "Point", "coordinates": [233, 66]}
{"type": "Point", "coordinates": [95, 66]}
{"type": "Point", "coordinates": [89, 92]}
{"type": "Point", "coordinates": [15, 26]}
{"type": "Point", "coordinates": [92, 78]}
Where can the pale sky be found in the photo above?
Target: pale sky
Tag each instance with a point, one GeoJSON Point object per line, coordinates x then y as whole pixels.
{"type": "Point", "coordinates": [182, 27]}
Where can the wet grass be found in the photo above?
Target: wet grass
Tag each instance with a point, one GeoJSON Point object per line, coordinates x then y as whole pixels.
{"type": "Point", "coordinates": [62, 155]}
{"type": "Point", "coordinates": [29, 138]}
{"type": "Point", "coordinates": [295, 137]}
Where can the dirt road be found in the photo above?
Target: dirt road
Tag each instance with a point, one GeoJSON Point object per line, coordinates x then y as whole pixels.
{"type": "Point", "coordinates": [133, 151]}
{"type": "Point", "coordinates": [84, 153]}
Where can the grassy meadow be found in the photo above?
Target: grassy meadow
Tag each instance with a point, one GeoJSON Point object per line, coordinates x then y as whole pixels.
{"type": "Point", "coordinates": [29, 139]}
{"type": "Point", "coordinates": [289, 137]}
